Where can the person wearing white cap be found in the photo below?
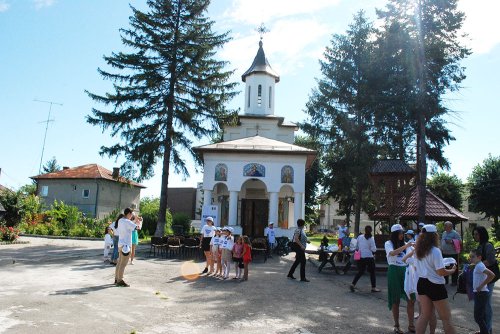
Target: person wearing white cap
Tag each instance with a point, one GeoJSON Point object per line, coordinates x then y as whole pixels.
{"type": "Point", "coordinates": [395, 249]}
{"type": "Point", "coordinates": [125, 228]}
{"type": "Point", "coordinates": [271, 237]}
{"type": "Point", "coordinates": [207, 233]}
{"type": "Point", "coordinates": [227, 251]}
{"type": "Point", "coordinates": [430, 286]}
{"type": "Point", "coordinates": [410, 236]}
{"type": "Point", "coordinates": [215, 244]}
{"type": "Point", "coordinates": [450, 247]}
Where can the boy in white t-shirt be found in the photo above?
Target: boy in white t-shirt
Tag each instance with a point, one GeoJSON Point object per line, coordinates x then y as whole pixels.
{"type": "Point", "coordinates": [271, 237]}
{"type": "Point", "coordinates": [480, 279]}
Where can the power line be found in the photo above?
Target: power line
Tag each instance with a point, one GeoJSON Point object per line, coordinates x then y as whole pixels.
{"type": "Point", "coordinates": [46, 128]}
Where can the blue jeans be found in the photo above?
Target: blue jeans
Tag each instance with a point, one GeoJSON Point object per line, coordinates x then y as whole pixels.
{"type": "Point", "coordinates": [480, 300]}
{"type": "Point", "coordinates": [488, 311]}
{"type": "Point", "coordinates": [114, 257]}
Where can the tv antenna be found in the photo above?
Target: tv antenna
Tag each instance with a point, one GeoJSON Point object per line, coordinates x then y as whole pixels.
{"type": "Point", "coordinates": [46, 127]}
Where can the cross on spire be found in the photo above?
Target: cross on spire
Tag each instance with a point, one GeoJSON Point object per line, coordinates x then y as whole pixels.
{"type": "Point", "coordinates": [262, 30]}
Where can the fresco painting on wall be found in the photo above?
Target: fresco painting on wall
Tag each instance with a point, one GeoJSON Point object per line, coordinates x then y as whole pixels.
{"type": "Point", "coordinates": [254, 169]}
{"type": "Point", "coordinates": [287, 174]}
{"type": "Point", "coordinates": [221, 172]}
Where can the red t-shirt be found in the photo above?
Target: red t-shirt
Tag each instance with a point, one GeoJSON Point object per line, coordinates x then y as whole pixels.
{"type": "Point", "coordinates": [247, 257]}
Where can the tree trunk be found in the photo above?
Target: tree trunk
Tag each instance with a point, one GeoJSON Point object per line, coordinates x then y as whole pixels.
{"type": "Point", "coordinates": [357, 209]}
{"type": "Point", "coordinates": [496, 227]}
{"type": "Point", "coordinates": [170, 102]}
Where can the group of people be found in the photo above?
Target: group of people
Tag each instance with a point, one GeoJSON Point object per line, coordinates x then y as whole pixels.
{"type": "Point", "coordinates": [221, 249]}
{"type": "Point", "coordinates": [122, 236]}
{"type": "Point", "coordinates": [418, 271]}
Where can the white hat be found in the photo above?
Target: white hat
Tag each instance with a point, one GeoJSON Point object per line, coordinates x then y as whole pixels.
{"type": "Point", "coordinates": [270, 223]}
{"type": "Point", "coordinates": [448, 261]}
{"type": "Point", "coordinates": [125, 249]}
{"type": "Point", "coordinates": [396, 227]}
{"type": "Point", "coordinates": [430, 228]}
{"type": "Point", "coordinates": [209, 219]}
{"type": "Point", "coordinates": [230, 229]}
{"type": "Point", "coordinates": [421, 224]}
{"type": "Point", "coordinates": [410, 232]}
{"type": "Point", "coordinates": [224, 228]}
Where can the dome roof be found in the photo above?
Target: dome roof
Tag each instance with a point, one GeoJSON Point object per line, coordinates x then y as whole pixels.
{"type": "Point", "coordinates": [260, 65]}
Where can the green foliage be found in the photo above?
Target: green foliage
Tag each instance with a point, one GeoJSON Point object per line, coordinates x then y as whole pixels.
{"type": "Point", "coordinates": [447, 187]}
{"type": "Point", "coordinates": [150, 208]}
{"type": "Point", "coordinates": [484, 190]}
{"type": "Point", "coordinates": [183, 220]}
{"type": "Point", "coordinates": [20, 205]}
{"type": "Point", "coordinates": [169, 89]}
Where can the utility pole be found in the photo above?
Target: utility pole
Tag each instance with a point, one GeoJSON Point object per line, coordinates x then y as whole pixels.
{"type": "Point", "coordinates": [46, 128]}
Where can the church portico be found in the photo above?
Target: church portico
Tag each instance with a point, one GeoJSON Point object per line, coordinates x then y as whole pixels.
{"type": "Point", "coordinates": [256, 175]}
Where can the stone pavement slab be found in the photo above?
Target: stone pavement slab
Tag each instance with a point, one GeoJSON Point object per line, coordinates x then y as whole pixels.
{"type": "Point", "coordinates": [61, 286]}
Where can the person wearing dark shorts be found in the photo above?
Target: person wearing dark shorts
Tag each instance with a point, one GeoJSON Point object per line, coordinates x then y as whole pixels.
{"type": "Point", "coordinates": [207, 232]}
{"type": "Point", "coordinates": [431, 283]}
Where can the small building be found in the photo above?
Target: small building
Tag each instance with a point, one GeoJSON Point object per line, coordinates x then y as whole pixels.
{"type": "Point", "coordinates": [93, 189]}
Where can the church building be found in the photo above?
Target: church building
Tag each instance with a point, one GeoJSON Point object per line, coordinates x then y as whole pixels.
{"type": "Point", "coordinates": [256, 175]}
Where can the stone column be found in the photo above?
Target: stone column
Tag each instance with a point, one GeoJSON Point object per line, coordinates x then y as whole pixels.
{"type": "Point", "coordinates": [297, 207]}
{"type": "Point", "coordinates": [273, 208]}
{"type": "Point", "coordinates": [233, 208]}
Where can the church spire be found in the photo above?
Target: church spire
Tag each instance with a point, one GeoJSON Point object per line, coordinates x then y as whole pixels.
{"type": "Point", "coordinates": [260, 80]}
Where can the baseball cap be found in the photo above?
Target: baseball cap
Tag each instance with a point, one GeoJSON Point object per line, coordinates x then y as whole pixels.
{"type": "Point", "coordinates": [210, 219]}
{"type": "Point", "coordinates": [410, 232]}
{"type": "Point", "coordinates": [421, 224]}
{"type": "Point", "coordinates": [270, 223]}
{"type": "Point", "coordinates": [430, 228]}
{"type": "Point", "coordinates": [396, 227]}
{"type": "Point", "coordinates": [126, 249]}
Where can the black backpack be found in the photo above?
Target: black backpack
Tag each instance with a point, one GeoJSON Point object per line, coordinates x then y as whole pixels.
{"type": "Point", "coordinates": [464, 279]}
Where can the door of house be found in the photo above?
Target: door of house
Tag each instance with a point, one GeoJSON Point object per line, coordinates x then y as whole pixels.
{"type": "Point", "coordinates": [254, 216]}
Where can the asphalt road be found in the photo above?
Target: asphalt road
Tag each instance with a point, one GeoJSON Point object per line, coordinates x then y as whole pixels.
{"type": "Point", "coordinates": [63, 286]}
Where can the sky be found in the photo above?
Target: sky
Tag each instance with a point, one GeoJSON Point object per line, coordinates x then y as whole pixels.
{"type": "Point", "coordinates": [50, 51]}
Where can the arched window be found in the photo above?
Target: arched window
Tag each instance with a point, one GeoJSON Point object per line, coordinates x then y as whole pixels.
{"type": "Point", "coordinates": [259, 95]}
{"type": "Point", "coordinates": [270, 96]}
{"type": "Point", "coordinates": [249, 96]}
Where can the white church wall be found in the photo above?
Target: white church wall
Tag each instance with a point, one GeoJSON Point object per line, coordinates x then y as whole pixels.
{"type": "Point", "coordinates": [252, 105]}
{"type": "Point", "coordinates": [273, 163]}
{"type": "Point", "coordinates": [264, 127]}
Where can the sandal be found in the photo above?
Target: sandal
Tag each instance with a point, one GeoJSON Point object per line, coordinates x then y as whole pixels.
{"type": "Point", "coordinates": [398, 330]}
{"type": "Point", "coordinates": [411, 328]}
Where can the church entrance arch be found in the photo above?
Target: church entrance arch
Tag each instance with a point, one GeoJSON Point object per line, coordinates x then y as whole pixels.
{"type": "Point", "coordinates": [254, 207]}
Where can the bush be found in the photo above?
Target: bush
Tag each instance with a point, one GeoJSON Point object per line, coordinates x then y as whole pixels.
{"type": "Point", "coordinates": [150, 208]}
{"type": "Point", "coordinates": [8, 233]}
{"type": "Point", "coordinates": [183, 221]}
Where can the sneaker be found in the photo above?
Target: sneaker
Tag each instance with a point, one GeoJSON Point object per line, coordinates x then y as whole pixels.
{"type": "Point", "coordinates": [122, 283]}
{"type": "Point", "coordinates": [305, 280]}
{"type": "Point", "coordinates": [376, 290]}
{"type": "Point", "coordinates": [352, 288]}
{"type": "Point", "coordinates": [205, 271]}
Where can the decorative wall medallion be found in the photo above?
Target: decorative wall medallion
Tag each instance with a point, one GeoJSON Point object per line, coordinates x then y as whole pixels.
{"type": "Point", "coordinates": [287, 174]}
{"type": "Point", "coordinates": [221, 172]}
{"type": "Point", "coordinates": [254, 170]}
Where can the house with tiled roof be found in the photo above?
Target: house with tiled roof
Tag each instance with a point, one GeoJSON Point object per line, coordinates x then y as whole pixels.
{"type": "Point", "coordinates": [95, 190]}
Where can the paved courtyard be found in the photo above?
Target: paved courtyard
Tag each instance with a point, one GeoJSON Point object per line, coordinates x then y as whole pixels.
{"type": "Point", "coordinates": [62, 286]}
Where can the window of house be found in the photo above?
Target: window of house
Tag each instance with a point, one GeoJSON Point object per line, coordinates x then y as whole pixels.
{"type": "Point", "coordinates": [249, 96]}
{"type": "Point", "coordinates": [85, 193]}
{"type": "Point", "coordinates": [270, 95]}
{"type": "Point", "coordinates": [259, 95]}
{"type": "Point", "coordinates": [44, 191]}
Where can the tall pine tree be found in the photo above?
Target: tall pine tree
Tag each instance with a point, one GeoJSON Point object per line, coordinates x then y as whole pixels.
{"type": "Point", "coordinates": [341, 117]}
{"type": "Point", "coordinates": [168, 89]}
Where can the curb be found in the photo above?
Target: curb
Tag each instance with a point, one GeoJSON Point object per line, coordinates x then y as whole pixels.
{"type": "Point", "coordinates": [16, 242]}
{"type": "Point", "coordinates": [58, 237]}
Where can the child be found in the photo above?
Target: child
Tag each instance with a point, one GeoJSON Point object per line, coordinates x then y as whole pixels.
{"type": "Point", "coordinates": [215, 242]}
{"type": "Point", "coordinates": [247, 256]}
{"type": "Point", "coordinates": [480, 279]}
{"type": "Point", "coordinates": [135, 236]}
{"type": "Point", "coordinates": [271, 237]}
{"type": "Point", "coordinates": [238, 257]}
{"type": "Point", "coordinates": [108, 242]}
{"type": "Point", "coordinates": [227, 250]}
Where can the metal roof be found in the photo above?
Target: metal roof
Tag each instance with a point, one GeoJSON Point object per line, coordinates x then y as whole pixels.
{"type": "Point", "coordinates": [260, 65]}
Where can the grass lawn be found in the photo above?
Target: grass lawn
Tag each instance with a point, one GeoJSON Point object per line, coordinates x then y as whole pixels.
{"type": "Point", "coordinates": [316, 239]}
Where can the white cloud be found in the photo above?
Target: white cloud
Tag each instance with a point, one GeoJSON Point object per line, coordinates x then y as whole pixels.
{"type": "Point", "coordinates": [257, 11]}
{"type": "Point", "coordinates": [481, 24]}
{"type": "Point", "coordinates": [4, 6]}
{"type": "Point", "coordinates": [289, 43]}
{"type": "Point", "coordinates": [39, 4]}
